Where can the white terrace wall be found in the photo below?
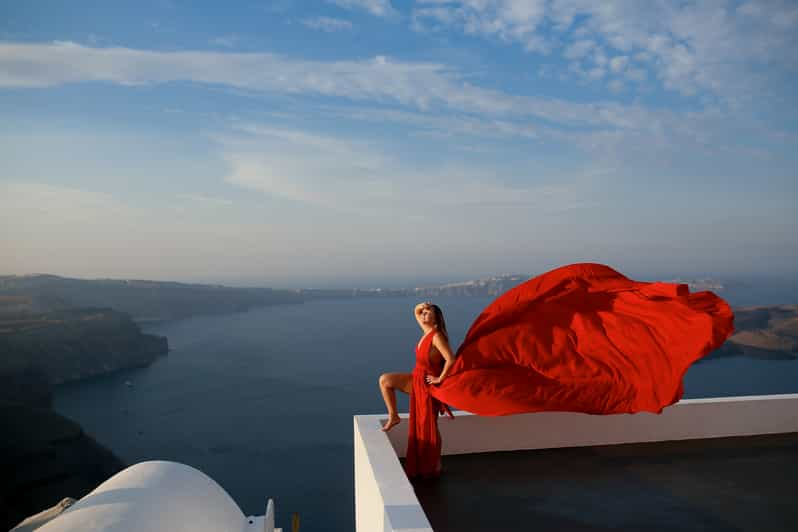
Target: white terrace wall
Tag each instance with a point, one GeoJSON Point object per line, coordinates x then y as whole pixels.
{"type": "Point", "coordinates": [384, 498]}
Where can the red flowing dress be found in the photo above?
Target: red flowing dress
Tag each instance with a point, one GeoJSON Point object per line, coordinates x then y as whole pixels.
{"type": "Point", "coordinates": [579, 338]}
{"type": "Point", "coordinates": [423, 438]}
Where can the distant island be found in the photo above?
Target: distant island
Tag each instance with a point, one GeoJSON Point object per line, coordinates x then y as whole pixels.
{"type": "Point", "coordinates": [767, 332]}
{"type": "Point", "coordinates": [147, 300]}
{"type": "Point", "coordinates": [490, 286]}
{"type": "Point", "coordinates": [143, 300]}
{"type": "Point", "coordinates": [485, 287]}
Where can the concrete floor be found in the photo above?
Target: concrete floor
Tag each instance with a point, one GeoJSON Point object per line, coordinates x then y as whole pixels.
{"type": "Point", "coordinates": [721, 484]}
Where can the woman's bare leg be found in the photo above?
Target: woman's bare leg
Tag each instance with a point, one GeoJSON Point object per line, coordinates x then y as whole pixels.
{"type": "Point", "coordinates": [388, 383]}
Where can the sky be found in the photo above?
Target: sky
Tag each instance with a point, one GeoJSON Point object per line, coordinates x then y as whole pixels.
{"type": "Point", "coordinates": [388, 143]}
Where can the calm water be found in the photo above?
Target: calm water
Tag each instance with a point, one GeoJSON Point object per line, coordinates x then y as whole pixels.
{"type": "Point", "coordinates": [263, 401]}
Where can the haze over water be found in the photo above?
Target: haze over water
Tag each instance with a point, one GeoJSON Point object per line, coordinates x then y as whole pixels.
{"type": "Point", "coordinates": [263, 401]}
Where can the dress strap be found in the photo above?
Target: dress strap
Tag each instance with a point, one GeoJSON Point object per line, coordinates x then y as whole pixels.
{"type": "Point", "coordinates": [431, 336]}
{"type": "Point", "coordinates": [424, 339]}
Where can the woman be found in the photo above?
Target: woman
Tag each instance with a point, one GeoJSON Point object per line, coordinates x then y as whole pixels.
{"type": "Point", "coordinates": [438, 355]}
{"type": "Point", "coordinates": [578, 338]}
{"type": "Point", "coordinates": [434, 358]}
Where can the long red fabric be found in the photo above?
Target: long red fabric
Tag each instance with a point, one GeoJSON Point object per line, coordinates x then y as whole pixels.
{"type": "Point", "coordinates": [579, 338]}
{"type": "Point", "coordinates": [423, 437]}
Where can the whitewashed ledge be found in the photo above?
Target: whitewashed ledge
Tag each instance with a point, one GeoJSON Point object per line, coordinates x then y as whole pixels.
{"type": "Point", "coordinates": [385, 500]}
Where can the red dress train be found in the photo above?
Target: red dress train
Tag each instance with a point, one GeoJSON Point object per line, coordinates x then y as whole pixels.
{"type": "Point", "coordinates": [579, 338]}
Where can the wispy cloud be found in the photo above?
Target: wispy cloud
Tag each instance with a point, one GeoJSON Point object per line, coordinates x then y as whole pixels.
{"type": "Point", "coordinates": [327, 24]}
{"type": "Point", "coordinates": [341, 175]}
{"type": "Point", "coordinates": [442, 124]}
{"type": "Point", "coordinates": [510, 21]}
{"type": "Point", "coordinates": [691, 46]}
{"type": "Point", "coordinates": [72, 205]}
{"type": "Point", "coordinates": [357, 176]}
{"type": "Point", "coordinates": [420, 85]}
{"type": "Point", "coordinates": [73, 231]}
{"type": "Point", "coordinates": [431, 97]}
{"type": "Point", "coordinates": [379, 8]}
{"type": "Point", "coordinates": [205, 200]}
{"type": "Point", "coordinates": [579, 49]}
{"type": "Point", "coordinates": [77, 232]}
{"type": "Point", "coordinates": [226, 41]}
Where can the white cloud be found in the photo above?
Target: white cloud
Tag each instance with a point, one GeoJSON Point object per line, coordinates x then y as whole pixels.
{"type": "Point", "coordinates": [690, 46]}
{"type": "Point", "coordinates": [356, 176]}
{"type": "Point", "coordinates": [104, 237]}
{"type": "Point", "coordinates": [379, 8]}
{"type": "Point", "coordinates": [595, 73]}
{"type": "Point", "coordinates": [783, 14]}
{"type": "Point", "coordinates": [341, 174]}
{"type": "Point", "coordinates": [72, 205]}
{"type": "Point", "coordinates": [635, 74]}
{"type": "Point", "coordinates": [82, 233]}
{"type": "Point", "coordinates": [615, 86]}
{"type": "Point", "coordinates": [226, 41]}
{"type": "Point", "coordinates": [442, 125]}
{"type": "Point", "coordinates": [432, 99]}
{"type": "Point", "coordinates": [579, 49]}
{"type": "Point", "coordinates": [423, 15]}
{"type": "Point", "coordinates": [418, 84]}
{"type": "Point", "coordinates": [201, 199]}
{"type": "Point", "coordinates": [618, 63]}
{"type": "Point", "coordinates": [423, 86]}
{"type": "Point", "coordinates": [599, 57]}
{"type": "Point", "coordinates": [327, 24]}
{"type": "Point", "coordinates": [509, 21]}
{"type": "Point", "coordinates": [71, 231]}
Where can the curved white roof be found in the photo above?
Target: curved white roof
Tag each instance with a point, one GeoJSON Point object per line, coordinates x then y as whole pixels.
{"type": "Point", "coordinates": [151, 496]}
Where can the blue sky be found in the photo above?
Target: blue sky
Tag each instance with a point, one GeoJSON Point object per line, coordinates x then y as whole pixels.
{"type": "Point", "coordinates": [369, 143]}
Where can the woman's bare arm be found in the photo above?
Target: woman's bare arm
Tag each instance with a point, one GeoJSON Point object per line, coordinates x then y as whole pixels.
{"type": "Point", "coordinates": [442, 344]}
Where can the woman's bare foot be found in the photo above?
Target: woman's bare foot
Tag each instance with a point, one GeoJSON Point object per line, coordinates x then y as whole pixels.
{"type": "Point", "coordinates": [393, 420]}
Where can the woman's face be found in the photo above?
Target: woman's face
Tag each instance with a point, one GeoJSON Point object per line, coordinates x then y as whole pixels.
{"type": "Point", "coordinates": [428, 316]}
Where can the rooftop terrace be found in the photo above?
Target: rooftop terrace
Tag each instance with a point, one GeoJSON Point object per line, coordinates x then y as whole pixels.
{"type": "Point", "coordinates": [727, 463]}
{"type": "Point", "coordinates": [718, 484]}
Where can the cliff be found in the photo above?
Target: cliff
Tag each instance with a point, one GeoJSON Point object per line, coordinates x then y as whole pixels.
{"type": "Point", "coordinates": [73, 344]}
{"type": "Point", "coordinates": [141, 299]}
{"type": "Point", "coordinates": [45, 457]}
{"type": "Point", "coordinates": [767, 332]}
{"type": "Point", "coordinates": [30, 387]}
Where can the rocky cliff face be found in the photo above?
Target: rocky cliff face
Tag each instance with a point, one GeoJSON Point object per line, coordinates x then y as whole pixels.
{"type": "Point", "coordinates": [73, 344]}
{"type": "Point", "coordinates": [143, 300]}
{"type": "Point", "coordinates": [30, 387]}
{"type": "Point", "coordinates": [45, 457]}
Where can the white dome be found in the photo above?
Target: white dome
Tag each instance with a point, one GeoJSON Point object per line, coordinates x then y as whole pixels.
{"type": "Point", "coordinates": [152, 496]}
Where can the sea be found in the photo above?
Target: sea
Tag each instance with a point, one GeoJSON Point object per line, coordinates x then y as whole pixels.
{"type": "Point", "coordinates": [262, 401]}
